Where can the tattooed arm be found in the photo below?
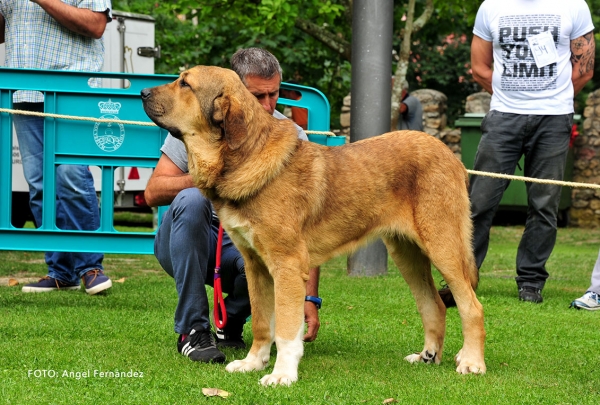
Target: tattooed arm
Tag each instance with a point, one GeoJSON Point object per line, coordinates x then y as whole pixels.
{"type": "Point", "coordinates": [582, 58]}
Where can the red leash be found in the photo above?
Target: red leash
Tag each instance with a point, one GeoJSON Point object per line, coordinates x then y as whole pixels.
{"type": "Point", "coordinates": [219, 311]}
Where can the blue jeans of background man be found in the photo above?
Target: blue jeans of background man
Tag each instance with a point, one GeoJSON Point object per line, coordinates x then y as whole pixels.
{"type": "Point", "coordinates": [185, 247]}
{"type": "Point", "coordinates": [544, 141]}
{"type": "Point", "coordinates": [76, 201]}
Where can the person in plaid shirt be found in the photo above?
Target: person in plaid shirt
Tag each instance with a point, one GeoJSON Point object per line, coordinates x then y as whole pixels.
{"type": "Point", "coordinates": [57, 35]}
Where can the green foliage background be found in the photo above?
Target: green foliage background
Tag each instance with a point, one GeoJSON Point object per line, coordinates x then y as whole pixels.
{"type": "Point", "coordinates": [192, 32]}
{"type": "Point", "coordinates": [208, 32]}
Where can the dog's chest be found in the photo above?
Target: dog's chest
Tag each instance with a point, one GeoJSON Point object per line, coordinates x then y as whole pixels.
{"type": "Point", "coordinates": [239, 229]}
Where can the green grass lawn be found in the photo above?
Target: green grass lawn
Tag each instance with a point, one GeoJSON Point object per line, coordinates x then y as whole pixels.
{"type": "Point", "coordinates": [54, 346]}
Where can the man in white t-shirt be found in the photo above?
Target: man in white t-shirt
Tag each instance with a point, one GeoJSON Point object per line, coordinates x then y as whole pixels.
{"type": "Point", "coordinates": [533, 56]}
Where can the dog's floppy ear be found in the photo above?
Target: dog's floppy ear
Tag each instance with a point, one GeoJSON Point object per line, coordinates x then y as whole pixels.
{"type": "Point", "coordinates": [228, 113]}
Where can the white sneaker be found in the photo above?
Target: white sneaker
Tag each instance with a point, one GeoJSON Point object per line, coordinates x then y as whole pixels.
{"type": "Point", "coordinates": [589, 301]}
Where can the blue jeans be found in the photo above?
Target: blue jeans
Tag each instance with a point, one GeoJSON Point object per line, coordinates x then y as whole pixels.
{"type": "Point", "coordinates": [544, 140]}
{"type": "Point", "coordinates": [76, 201]}
{"type": "Point", "coordinates": [185, 247]}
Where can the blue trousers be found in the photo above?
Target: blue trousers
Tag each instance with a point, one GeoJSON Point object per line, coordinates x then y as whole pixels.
{"type": "Point", "coordinates": [76, 201]}
{"type": "Point", "coordinates": [544, 141]}
{"type": "Point", "coordinates": [185, 247]}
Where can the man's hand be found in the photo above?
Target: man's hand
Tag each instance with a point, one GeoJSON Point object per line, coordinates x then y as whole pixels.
{"type": "Point", "coordinates": [311, 317]}
{"type": "Point", "coordinates": [311, 312]}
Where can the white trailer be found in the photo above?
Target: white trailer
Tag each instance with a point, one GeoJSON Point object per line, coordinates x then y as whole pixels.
{"type": "Point", "coordinates": [129, 48]}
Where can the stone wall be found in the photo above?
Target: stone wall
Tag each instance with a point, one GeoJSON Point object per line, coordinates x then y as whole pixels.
{"type": "Point", "coordinates": [585, 207]}
{"type": "Point", "coordinates": [434, 118]}
{"type": "Point", "coordinates": [478, 103]}
{"type": "Point", "coordinates": [345, 117]}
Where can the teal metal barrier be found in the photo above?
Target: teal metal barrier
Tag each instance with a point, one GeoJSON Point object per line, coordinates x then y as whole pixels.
{"type": "Point", "coordinates": [314, 101]}
{"type": "Point", "coordinates": [106, 145]}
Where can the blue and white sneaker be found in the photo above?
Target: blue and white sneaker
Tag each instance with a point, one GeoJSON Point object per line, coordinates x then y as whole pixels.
{"type": "Point", "coordinates": [590, 301]}
{"type": "Point", "coordinates": [96, 281]}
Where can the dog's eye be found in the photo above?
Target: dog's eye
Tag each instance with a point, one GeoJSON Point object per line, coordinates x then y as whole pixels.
{"type": "Point", "coordinates": [183, 83]}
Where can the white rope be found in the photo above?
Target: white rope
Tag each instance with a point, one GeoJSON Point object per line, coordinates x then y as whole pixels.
{"type": "Point", "coordinates": [110, 120]}
{"type": "Point", "coordinates": [150, 124]}
{"type": "Point", "coordinates": [320, 132]}
{"type": "Point", "coordinates": [534, 180]}
{"type": "Point", "coordinates": [77, 118]}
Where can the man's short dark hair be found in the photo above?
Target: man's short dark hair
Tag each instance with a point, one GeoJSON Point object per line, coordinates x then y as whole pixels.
{"type": "Point", "coordinates": [255, 62]}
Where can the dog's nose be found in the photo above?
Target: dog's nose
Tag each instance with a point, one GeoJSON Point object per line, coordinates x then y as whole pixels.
{"type": "Point", "coordinates": [145, 93]}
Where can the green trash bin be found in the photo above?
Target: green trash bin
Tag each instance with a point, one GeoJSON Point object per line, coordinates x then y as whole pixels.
{"type": "Point", "coordinates": [515, 196]}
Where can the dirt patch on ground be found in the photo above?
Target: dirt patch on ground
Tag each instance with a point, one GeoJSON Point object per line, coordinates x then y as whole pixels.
{"type": "Point", "coordinates": [151, 271]}
{"type": "Point", "coordinates": [21, 278]}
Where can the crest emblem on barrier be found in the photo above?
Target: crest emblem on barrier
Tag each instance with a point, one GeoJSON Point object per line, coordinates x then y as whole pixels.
{"type": "Point", "coordinates": [109, 136]}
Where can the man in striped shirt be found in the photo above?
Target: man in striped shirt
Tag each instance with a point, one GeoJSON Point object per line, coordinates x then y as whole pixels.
{"type": "Point", "coordinates": [57, 35]}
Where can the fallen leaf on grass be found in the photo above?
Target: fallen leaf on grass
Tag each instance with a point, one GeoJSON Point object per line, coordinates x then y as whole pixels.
{"type": "Point", "coordinates": [13, 282]}
{"type": "Point", "coordinates": [389, 401]}
{"type": "Point", "coordinates": [121, 280]}
{"type": "Point", "coordinates": [214, 392]}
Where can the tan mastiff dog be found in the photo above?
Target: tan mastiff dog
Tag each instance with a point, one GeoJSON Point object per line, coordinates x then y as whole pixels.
{"type": "Point", "coordinates": [289, 205]}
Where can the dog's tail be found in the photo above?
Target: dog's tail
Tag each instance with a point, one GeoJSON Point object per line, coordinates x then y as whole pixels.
{"type": "Point", "coordinates": [473, 270]}
{"type": "Point", "coordinates": [470, 265]}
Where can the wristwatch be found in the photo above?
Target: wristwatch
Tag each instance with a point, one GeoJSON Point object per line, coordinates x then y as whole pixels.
{"type": "Point", "coordinates": [315, 300]}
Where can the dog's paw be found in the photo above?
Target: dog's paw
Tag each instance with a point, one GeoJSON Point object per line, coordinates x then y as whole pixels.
{"type": "Point", "coordinates": [423, 357]}
{"type": "Point", "coordinates": [278, 379]}
{"type": "Point", "coordinates": [245, 365]}
{"type": "Point", "coordinates": [464, 366]}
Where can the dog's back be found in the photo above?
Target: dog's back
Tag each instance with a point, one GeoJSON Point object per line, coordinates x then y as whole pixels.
{"type": "Point", "coordinates": [396, 183]}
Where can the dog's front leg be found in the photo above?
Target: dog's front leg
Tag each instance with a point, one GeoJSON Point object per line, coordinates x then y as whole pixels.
{"type": "Point", "coordinates": [290, 289]}
{"type": "Point", "coordinates": [260, 288]}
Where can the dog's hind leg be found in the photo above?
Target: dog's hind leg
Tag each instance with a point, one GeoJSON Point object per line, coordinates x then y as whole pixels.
{"type": "Point", "coordinates": [453, 257]}
{"type": "Point", "coordinates": [261, 289]}
{"type": "Point", "coordinates": [416, 270]}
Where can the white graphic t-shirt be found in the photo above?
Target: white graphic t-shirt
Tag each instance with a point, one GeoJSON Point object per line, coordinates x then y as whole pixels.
{"type": "Point", "coordinates": [518, 29]}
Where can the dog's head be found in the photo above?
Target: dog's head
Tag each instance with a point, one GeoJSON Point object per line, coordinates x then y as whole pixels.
{"type": "Point", "coordinates": [205, 101]}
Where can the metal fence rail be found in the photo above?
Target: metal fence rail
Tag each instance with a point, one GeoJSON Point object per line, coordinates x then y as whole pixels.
{"type": "Point", "coordinates": [106, 145]}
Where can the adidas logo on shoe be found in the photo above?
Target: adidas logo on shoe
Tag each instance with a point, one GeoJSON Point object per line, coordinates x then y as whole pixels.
{"type": "Point", "coordinates": [200, 346]}
{"type": "Point", "coordinates": [231, 336]}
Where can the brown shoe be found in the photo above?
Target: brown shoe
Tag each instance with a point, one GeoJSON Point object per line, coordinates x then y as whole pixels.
{"type": "Point", "coordinates": [47, 284]}
{"type": "Point", "coordinates": [96, 281]}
